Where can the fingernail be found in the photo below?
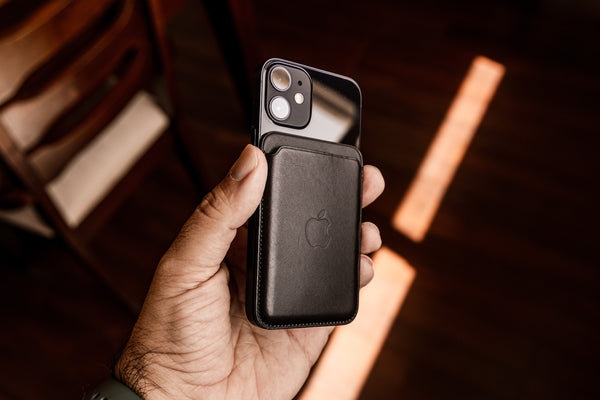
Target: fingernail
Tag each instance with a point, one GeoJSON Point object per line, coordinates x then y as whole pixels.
{"type": "Point", "coordinates": [244, 164]}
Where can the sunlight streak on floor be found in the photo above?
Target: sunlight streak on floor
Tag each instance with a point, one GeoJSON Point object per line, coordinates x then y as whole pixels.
{"type": "Point", "coordinates": [422, 200]}
{"type": "Point", "coordinates": [352, 350]}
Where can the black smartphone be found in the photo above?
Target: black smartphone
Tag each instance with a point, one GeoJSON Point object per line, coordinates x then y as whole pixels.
{"type": "Point", "coordinates": [304, 239]}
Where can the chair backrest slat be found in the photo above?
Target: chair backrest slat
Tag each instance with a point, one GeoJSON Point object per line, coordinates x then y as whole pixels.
{"type": "Point", "coordinates": [67, 68]}
{"type": "Point", "coordinates": [50, 157]}
{"type": "Point", "coordinates": [29, 116]}
{"type": "Point", "coordinates": [30, 43]}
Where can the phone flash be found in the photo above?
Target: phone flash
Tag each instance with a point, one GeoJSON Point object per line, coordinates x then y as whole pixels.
{"type": "Point", "coordinates": [299, 98]}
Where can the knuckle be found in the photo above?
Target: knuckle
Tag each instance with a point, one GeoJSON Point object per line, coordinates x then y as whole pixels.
{"type": "Point", "coordinates": [214, 205]}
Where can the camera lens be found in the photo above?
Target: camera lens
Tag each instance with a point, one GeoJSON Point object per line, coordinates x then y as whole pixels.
{"type": "Point", "coordinates": [280, 108]}
{"type": "Point", "coordinates": [280, 78]}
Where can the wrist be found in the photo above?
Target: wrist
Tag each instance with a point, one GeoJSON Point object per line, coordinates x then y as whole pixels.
{"type": "Point", "coordinates": [111, 389]}
{"type": "Point", "coordinates": [135, 368]}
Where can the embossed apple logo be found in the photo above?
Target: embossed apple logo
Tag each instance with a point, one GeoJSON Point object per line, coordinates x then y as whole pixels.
{"type": "Point", "coordinates": [317, 231]}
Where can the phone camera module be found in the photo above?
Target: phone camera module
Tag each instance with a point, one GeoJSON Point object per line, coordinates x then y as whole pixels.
{"type": "Point", "coordinates": [280, 108]}
{"type": "Point", "coordinates": [281, 79]}
{"type": "Point", "coordinates": [287, 94]}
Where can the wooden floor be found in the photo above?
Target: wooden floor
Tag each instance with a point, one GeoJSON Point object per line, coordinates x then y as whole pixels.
{"type": "Point", "coordinates": [506, 300]}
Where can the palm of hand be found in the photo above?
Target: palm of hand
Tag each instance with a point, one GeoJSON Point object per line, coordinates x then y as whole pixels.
{"type": "Point", "coordinates": [214, 352]}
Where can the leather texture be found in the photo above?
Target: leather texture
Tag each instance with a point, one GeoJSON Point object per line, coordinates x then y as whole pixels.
{"type": "Point", "coordinates": [307, 235]}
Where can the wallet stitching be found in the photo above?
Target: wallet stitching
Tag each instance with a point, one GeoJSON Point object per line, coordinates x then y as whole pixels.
{"type": "Point", "coordinates": [260, 262]}
{"type": "Point", "coordinates": [260, 251]}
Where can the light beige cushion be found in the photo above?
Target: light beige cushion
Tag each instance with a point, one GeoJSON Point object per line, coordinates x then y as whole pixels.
{"type": "Point", "coordinates": [93, 173]}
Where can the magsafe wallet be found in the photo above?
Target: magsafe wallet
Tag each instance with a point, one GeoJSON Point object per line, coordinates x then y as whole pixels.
{"type": "Point", "coordinates": [304, 269]}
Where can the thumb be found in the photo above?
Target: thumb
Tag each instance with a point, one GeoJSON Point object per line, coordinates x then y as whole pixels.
{"type": "Point", "coordinates": [197, 252]}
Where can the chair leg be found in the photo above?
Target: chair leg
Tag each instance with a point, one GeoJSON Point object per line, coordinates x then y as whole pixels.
{"type": "Point", "coordinates": [187, 160]}
{"type": "Point", "coordinates": [90, 261]}
{"type": "Point", "coordinates": [97, 272]}
{"type": "Point", "coordinates": [234, 25]}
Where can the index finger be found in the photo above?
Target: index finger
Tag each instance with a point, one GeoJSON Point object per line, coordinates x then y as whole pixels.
{"type": "Point", "coordinates": [373, 184]}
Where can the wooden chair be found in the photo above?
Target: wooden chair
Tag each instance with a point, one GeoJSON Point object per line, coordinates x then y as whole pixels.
{"type": "Point", "coordinates": [78, 127]}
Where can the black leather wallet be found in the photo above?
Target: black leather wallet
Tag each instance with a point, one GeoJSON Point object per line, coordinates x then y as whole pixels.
{"type": "Point", "coordinates": [304, 240]}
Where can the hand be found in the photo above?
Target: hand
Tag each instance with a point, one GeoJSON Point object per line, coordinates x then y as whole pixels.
{"type": "Point", "coordinates": [192, 339]}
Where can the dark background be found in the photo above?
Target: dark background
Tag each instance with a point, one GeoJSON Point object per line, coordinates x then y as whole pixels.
{"type": "Point", "coordinates": [505, 303]}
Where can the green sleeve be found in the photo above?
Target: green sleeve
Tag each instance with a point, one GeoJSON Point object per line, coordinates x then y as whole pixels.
{"type": "Point", "coordinates": [112, 389]}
